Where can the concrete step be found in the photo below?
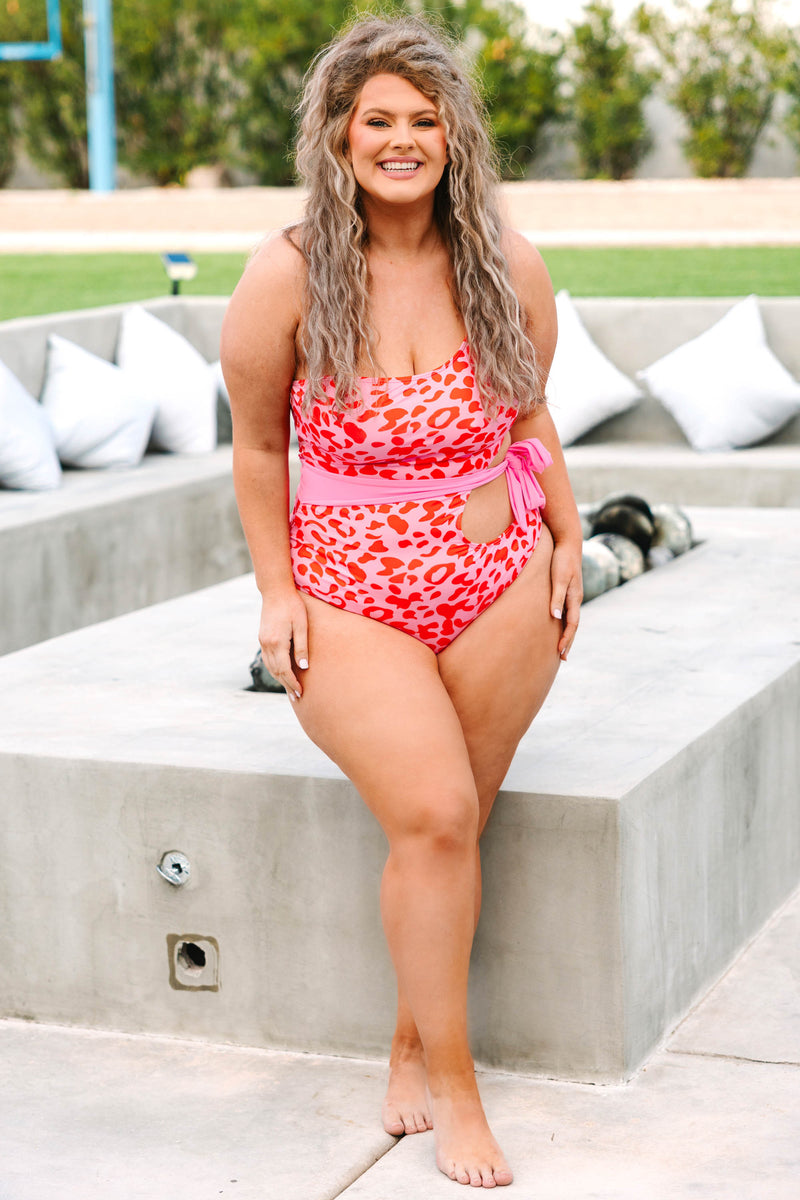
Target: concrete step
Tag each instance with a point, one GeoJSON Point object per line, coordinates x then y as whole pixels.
{"type": "Point", "coordinates": [98, 1116]}
{"type": "Point", "coordinates": [647, 827]}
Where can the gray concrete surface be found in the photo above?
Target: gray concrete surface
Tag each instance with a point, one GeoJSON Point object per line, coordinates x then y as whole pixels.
{"type": "Point", "coordinates": [91, 1116]}
{"type": "Point", "coordinates": [648, 825]}
{"type": "Point", "coordinates": [109, 542]}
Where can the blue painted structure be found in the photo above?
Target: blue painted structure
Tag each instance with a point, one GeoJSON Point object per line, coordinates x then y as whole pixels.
{"type": "Point", "coordinates": [14, 51]}
{"type": "Point", "coordinates": [98, 39]}
{"type": "Point", "coordinates": [98, 34]}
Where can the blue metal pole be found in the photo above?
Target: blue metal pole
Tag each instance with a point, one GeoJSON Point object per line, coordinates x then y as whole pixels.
{"type": "Point", "coordinates": [100, 95]}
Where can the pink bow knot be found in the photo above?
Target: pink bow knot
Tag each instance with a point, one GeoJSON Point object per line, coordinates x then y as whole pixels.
{"type": "Point", "coordinates": [524, 492]}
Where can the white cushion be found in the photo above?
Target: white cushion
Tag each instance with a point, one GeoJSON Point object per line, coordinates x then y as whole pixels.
{"type": "Point", "coordinates": [28, 458]}
{"type": "Point", "coordinates": [98, 418]}
{"type": "Point", "coordinates": [584, 387]}
{"type": "Point", "coordinates": [726, 388]}
{"type": "Point", "coordinates": [168, 369]}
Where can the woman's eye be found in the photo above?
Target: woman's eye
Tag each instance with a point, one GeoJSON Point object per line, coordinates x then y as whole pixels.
{"type": "Point", "coordinates": [376, 121]}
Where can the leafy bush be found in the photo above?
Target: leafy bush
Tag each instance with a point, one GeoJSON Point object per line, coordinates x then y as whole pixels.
{"type": "Point", "coordinates": [51, 94]}
{"type": "Point", "coordinates": [173, 84]}
{"type": "Point", "coordinates": [608, 94]}
{"type": "Point", "coordinates": [721, 66]}
{"type": "Point", "coordinates": [791, 84]}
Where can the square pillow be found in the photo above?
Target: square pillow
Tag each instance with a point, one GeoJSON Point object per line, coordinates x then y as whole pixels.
{"type": "Point", "coordinates": [584, 387]}
{"type": "Point", "coordinates": [726, 388]}
{"type": "Point", "coordinates": [28, 459]}
{"type": "Point", "coordinates": [165, 367]}
{"type": "Point", "coordinates": [98, 418]}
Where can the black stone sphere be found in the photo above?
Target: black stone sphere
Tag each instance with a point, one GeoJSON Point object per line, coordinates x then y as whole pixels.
{"type": "Point", "coordinates": [629, 521]}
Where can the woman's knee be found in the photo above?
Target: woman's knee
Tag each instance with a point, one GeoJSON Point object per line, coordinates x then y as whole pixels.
{"type": "Point", "coordinates": [443, 822]}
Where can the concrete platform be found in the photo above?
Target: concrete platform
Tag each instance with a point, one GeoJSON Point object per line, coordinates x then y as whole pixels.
{"type": "Point", "coordinates": [648, 826]}
{"type": "Point", "coordinates": [109, 542]}
{"type": "Point", "coordinates": [88, 1116]}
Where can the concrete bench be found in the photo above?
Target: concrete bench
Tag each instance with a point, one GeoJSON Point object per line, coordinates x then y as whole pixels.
{"type": "Point", "coordinates": [647, 828]}
{"type": "Point", "coordinates": [644, 450]}
{"type": "Point", "coordinates": [108, 542]}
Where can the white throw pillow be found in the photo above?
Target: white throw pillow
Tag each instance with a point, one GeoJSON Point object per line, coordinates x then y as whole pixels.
{"type": "Point", "coordinates": [28, 459]}
{"type": "Point", "coordinates": [726, 388]}
{"type": "Point", "coordinates": [98, 418]}
{"type": "Point", "coordinates": [168, 369]}
{"type": "Point", "coordinates": [584, 387]}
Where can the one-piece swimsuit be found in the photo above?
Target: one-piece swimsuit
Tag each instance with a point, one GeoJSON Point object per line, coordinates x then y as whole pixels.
{"type": "Point", "coordinates": [406, 562]}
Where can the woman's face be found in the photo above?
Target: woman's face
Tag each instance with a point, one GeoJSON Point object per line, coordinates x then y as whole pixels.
{"type": "Point", "coordinates": [396, 142]}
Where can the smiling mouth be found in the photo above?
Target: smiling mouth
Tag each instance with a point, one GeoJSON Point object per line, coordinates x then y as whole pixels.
{"type": "Point", "coordinates": [399, 168]}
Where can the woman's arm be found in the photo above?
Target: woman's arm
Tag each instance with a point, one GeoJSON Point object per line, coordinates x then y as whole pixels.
{"type": "Point", "coordinates": [532, 283]}
{"type": "Point", "coordinates": [258, 362]}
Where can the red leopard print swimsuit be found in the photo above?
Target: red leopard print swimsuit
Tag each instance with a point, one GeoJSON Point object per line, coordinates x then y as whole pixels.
{"type": "Point", "coordinates": [406, 563]}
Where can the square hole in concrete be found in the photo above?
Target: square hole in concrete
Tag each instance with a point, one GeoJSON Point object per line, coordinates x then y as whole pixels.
{"type": "Point", "coordinates": [193, 962]}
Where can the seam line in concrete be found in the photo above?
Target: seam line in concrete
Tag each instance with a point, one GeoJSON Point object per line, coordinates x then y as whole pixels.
{"type": "Point", "coordinates": [358, 1173]}
{"type": "Point", "coordinates": [766, 1062]}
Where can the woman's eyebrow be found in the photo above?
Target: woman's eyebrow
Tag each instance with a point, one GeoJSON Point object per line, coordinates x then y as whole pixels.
{"type": "Point", "coordinates": [385, 112]}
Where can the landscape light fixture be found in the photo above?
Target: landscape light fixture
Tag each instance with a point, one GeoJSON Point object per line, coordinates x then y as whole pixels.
{"type": "Point", "coordinates": [178, 268]}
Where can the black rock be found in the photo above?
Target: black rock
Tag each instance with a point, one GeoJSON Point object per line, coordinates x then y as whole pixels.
{"type": "Point", "coordinates": [262, 680]}
{"type": "Point", "coordinates": [629, 521]}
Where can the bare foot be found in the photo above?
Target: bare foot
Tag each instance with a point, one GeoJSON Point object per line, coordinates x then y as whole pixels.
{"type": "Point", "coordinates": [406, 1108]}
{"type": "Point", "coordinates": [465, 1150]}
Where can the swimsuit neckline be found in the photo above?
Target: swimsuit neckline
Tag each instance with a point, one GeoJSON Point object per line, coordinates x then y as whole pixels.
{"type": "Point", "coordinates": [404, 378]}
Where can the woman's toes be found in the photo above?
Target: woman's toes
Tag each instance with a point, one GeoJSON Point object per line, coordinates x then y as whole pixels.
{"type": "Point", "coordinates": [421, 1122]}
{"type": "Point", "coordinates": [393, 1122]}
{"type": "Point", "coordinates": [475, 1179]}
{"type": "Point", "coordinates": [503, 1176]}
{"type": "Point", "coordinates": [461, 1174]}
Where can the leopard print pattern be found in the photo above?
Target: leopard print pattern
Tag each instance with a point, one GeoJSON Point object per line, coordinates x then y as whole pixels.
{"type": "Point", "coordinates": [407, 563]}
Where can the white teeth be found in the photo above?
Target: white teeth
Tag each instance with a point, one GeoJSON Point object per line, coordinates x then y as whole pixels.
{"type": "Point", "coordinates": [407, 167]}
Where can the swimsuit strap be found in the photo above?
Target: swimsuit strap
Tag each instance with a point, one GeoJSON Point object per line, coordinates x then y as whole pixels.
{"type": "Point", "coordinates": [327, 488]}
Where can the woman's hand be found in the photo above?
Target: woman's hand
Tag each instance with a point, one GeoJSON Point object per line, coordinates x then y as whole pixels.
{"type": "Point", "coordinates": [283, 635]}
{"type": "Point", "coordinates": [566, 577]}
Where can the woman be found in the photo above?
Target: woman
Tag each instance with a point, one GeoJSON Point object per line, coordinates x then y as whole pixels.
{"type": "Point", "coordinates": [413, 615]}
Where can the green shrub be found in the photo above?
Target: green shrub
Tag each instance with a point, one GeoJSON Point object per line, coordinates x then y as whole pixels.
{"type": "Point", "coordinates": [721, 66]}
{"type": "Point", "coordinates": [608, 94]}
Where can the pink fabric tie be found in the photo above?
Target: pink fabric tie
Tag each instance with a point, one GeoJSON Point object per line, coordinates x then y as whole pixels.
{"type": "Point", "coordinates": [522, 459]}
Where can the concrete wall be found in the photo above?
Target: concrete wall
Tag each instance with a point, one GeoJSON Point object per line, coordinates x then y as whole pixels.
{"type": "Point", "coordinates": [648, 826]}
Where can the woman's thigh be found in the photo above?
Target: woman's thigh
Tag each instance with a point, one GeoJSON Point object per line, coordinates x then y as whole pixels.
{"type": "Point", "coordinates": [500, 669]}
{"type": "Point", "coordinates": [374, 702]}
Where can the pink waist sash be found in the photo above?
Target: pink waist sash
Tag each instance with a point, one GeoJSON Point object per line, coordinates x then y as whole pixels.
{"type": "Point", "coordinates": [522, 459]}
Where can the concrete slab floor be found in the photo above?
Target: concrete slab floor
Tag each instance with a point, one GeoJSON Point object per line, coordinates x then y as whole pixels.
{"type": "Point", "coordinates": [86, 1115]}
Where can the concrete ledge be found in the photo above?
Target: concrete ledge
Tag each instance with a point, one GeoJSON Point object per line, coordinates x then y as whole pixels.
{"type": "Point", "coordinates": [108, 542]}
{"type": "Point", "coordinates": [648, 826]}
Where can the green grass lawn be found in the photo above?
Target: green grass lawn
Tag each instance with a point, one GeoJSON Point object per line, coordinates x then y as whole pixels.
{"type": "Point", "coordinates": [42, 283]}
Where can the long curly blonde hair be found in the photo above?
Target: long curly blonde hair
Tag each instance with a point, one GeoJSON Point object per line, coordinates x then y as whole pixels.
{"type": "Point", "coordinates": [337, 333]}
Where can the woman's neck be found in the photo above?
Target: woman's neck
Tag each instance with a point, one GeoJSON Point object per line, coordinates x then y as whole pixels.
{"type": "Point", "coordinates": [400, 234]}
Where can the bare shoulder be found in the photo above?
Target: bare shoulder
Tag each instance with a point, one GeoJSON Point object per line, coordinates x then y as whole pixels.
{"type": "Point", "coordinates": [531, 281]}
{"type": "Point", "coordinates": [529, 275]}
{"type": "Point", "coordinates": [264, 311]}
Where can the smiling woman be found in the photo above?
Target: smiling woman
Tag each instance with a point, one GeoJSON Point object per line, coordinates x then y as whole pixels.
{"type": "Point", "coordinates": [405, 143]}
{"type": "Point", "coordinates": [417, 602]}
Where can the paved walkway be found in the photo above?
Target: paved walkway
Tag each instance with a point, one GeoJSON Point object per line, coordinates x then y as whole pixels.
{"type": "Point", "coordinates": [714, 1115]}
{"type": "Point", "coordinates": [637, 212]}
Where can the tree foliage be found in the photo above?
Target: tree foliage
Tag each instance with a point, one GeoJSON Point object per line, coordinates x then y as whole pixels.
{"type": "Point", "coordinates": [608, 94]}
{"type": "Point", "coordinates": [51, 93]}
{"type": "Point", "coordinates": [720, 65]}
{"type": "Point", "coordinates": [173, 83]}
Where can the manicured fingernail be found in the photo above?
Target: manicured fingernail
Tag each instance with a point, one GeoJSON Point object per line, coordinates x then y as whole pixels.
{"type": "Point", "coordinates": [557, 613]}
{"type": "Point", "coordinates": [303, 664]}
{"type": "Point", "coordinates": [298, 695]}
{"type": "Point", "coordinates": [291, 697]}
